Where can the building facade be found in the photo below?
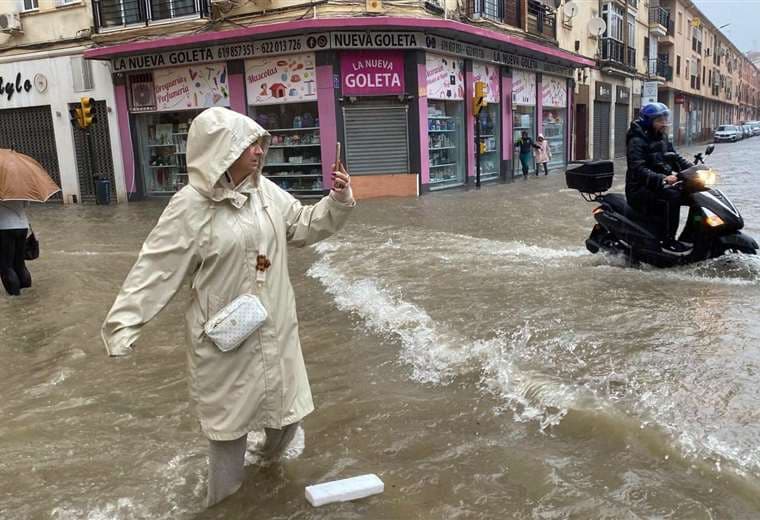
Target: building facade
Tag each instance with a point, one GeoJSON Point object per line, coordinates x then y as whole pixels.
{"type": "Point", "coordinates": [396, 90]}
{"type": "Point", "coordinates": [43, 75]}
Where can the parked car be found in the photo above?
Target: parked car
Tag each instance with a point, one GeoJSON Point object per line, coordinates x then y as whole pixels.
{"type": "Point", "coordinates": [755, 127]}
{"type": "Point", "coordinates": [727, 133]}
{"type": "Point", "coordinates": [747, 130]}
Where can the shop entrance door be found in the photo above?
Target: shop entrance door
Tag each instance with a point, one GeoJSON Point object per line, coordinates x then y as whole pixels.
{"type": "Point", "coordinates": [581, 131]}
{"type": "Point", "coordinates": [102, 159]}
{"type": "Point", "coordinates": [601, 130]}
{"type": "Point", "coordinates": [376, 138]}
{"type": "Point", "coordinates": [30, 131]}
{"type": "Point", "coordinates": [621, 129]}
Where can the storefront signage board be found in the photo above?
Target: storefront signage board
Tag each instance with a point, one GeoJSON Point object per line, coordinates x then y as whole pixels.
{"type": "Point", "coordinates": [445, 77]}
{"type": "Point", "coordinates": [649, 92]}
{"type": "Point", "coordinates": [334, 40]}
{"type": "Point", "coordinates": [554, 91]}
{"type": "Point", "coordinates": [182, 88]}
{"type": "Point", "coordinates": [232, 51]}
{"type": "Point", "coordinates": [281, 79]}
{"type": "Point", "coordinates": [372, 73]}
{"type": "Point", "coordinates": [622, 95]}
{"type": "Point", "coordinates": [490, 74]}
{"type": "Point", "coordinates": [523, 88]}
{"type": "Point", "coordinates": [603, 91]}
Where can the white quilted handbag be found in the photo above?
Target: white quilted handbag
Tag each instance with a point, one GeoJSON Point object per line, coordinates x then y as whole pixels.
{"type": "Point", "coordinates": [229, 327]}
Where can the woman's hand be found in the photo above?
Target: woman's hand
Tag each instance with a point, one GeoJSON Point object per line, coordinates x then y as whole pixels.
{"type": "Point", "coordinates": [341, 183]}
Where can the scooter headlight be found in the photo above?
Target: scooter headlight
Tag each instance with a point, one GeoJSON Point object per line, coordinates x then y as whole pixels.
{"type": "Point", "coordinates": [707, 178]}
{"type": "Point", "coordinates": [711, 219]}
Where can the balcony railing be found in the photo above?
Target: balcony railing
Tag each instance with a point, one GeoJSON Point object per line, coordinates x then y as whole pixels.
{"type": "Point", "coordinates": [502, 11]}
{"type": "Point", "coordinates": [123, 13]}
{"type": "Point", "coordinates": [661, 68]}
{"type": "Point", "coordinates": [631, 57]}
{"type": "Point", "coordinates": [541, 20]}
{"type": "Point", "coordinates": [660, 16]}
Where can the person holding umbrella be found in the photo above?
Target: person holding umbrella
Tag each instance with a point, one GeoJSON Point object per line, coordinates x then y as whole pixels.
{"type": "Point", "coordinates": [22, 180]}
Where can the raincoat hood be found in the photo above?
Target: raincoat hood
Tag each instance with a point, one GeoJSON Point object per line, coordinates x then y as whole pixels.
{"type": "Point", "coordinates": [215, 140]}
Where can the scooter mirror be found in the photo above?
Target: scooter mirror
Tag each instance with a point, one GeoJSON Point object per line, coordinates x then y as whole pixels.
{"type": "Point", "coordinates": [710, 149]}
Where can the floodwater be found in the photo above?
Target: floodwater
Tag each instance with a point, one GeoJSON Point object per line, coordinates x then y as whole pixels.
{"type": "Point", "coordinates": [464, 346]}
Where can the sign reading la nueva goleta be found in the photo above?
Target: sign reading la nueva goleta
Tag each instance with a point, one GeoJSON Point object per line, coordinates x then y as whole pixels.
{"type": "Point", "coordinates": [349, 40]}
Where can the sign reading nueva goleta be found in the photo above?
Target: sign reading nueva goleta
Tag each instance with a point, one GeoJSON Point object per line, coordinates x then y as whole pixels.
{"type": "Point", "coordinates": [352, 40]}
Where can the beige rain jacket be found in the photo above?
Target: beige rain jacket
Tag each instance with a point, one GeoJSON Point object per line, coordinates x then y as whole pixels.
{"type": "Point", "coordinates": [213, 233]}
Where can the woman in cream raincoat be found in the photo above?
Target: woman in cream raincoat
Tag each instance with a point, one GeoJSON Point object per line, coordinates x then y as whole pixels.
{"type": "Point", "coordinates": [228, 230]}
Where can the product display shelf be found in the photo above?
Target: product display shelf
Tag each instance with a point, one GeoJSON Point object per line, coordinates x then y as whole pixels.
{"type": "Point", "coordinates": [301, 178]}
{"type": "Point", "coordinates": [442, 165]}
{"type": "Point", "coordinates": [303, 129]}
{"type": "Point", "coordinates": [442, 148]}
{"type": "Point", "coordinates": [294, 145]}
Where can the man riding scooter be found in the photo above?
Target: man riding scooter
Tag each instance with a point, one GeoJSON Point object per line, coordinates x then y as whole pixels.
{"type": "Point", "coordinates": [650, 182]}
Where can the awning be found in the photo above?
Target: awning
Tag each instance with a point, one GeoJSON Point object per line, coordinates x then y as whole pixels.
{"type": "Point", "coordinates": [467, 33]}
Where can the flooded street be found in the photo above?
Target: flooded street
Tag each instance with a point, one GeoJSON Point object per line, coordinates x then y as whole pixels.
{"type": "Point", "coordinates": [464, 346]}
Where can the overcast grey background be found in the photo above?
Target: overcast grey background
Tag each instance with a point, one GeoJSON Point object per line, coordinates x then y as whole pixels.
{"type": "Point", "coordinates": [743, 15]}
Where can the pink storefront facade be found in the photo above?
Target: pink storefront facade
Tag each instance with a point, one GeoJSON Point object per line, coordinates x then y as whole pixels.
{"type": "Point", "coordinates": [396, 92]}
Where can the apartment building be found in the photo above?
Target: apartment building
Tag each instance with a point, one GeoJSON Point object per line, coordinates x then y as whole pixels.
{"type": "Point", "coordinates": [392, 81]}
{"type": "Point", "coordinates": [42, 75]}
{"type": "Point", "coordinates": [702, 75]}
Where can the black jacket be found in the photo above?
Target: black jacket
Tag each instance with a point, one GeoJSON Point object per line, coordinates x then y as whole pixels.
{"type": "Point", "coordinates": [647, 168]}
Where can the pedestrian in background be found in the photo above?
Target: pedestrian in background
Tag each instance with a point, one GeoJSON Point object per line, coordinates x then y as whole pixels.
{"type": "Point", "coordinates": [526, 145]}
{"type": "Point", "coordinates": [14, 226]}
{"type": "Point", "coordinates": [543, 154]}
{"type": "Point", "coordinates": [228, 229]}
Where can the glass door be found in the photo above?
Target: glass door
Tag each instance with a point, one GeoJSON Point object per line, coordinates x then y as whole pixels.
{"type": "Point", "coordinates": [446, 143]}
{"type": "Point", "coordinates": [523, 120]}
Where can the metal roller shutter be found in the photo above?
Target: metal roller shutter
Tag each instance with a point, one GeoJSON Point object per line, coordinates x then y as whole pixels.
{"type": "Point", "coordinates": [621, 129]}
{"type": "Point", "coordinates": [30, 131]}
{"type": "Point", "coordinates": [376, 139]}
{"type": "Point", "coordinates": [102, 156]}
{"type": "Point", "coordinates": [601, 130]}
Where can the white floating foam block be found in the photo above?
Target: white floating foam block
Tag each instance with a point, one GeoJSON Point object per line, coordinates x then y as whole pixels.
{"type": "Point", "coordinates": [344, 490]}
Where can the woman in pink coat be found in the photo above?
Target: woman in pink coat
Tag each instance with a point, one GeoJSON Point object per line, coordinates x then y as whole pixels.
{"type": "Point", "coordinates": [542, 154]}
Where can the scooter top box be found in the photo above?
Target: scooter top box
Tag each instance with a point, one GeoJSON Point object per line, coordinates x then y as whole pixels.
{"type": "Point", "coordinates": [591, 176]}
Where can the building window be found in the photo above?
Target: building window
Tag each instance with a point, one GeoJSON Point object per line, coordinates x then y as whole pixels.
{"type": "Point", "coordinates": [613, 17]}
{"type": "Point", "coordinates": [678, 65]}
{"type": "Point", "coordinates": [631, 30]}
{"type": "Point", "coordinates": [680, 22]}
{"type": "Point", "coordinates": [28, 5]}
{"type": "Point", "coordinates": [61, 3]}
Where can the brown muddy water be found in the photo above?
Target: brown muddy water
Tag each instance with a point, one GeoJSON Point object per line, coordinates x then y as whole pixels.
{"type": "Point", "coordinates": [464, 346]}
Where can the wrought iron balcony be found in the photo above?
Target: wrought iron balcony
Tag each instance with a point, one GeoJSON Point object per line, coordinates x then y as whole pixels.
{"type": "Point", "coordinates": [661, 68]}
{"type": "Point", "coordinates": [502, 11]}
{"type": "Point", "coordinates": [659, 20]}
{"type": "Point", "coordinates": [123, 13]}
{"type": "Point", "coordinates": [541, 20]}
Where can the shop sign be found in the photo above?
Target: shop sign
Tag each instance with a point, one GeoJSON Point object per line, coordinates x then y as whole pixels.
{"type": "Point", "coordinates": [182, 88]}
{"type": "Point", "coordinates": [491, 75]}
{"type": "Point", "coordinates": [445, 77]}
{"type": "Point", "coordinates": [281, 79]}
{"type": "Point", "coordinates": [649, 92]}
{"type": "Point", "coordinates": [10, 87]}
{"type": "Point", "coordinates": [467, 50]}
{"type": "Point", "coordinates": [372, 73]}
{"type": "Point", "coordinates": [603, 91]}
{"type": "Point", "coordinates": [376, 40]}
{"type": "Point", "coordinates": [622, 95]}
{"type": "Point", "coordinates": [523, 88]}
{"type": "Point", "coordinates": [680, 99]}
{"type": "Point", "coordinates": [554, 91]}
{"type": "Point", "coordinates": [233, 51]}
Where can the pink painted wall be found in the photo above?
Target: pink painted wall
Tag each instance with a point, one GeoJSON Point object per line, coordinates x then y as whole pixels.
{"type": "Point", "coordinates": [570, 124]}
{"type": "Point", "coordinates": [506, 118]}
{"type": "Point", "coordinates": [237, 93]}
{"type": "Point", "coordinates": [328, 134]}
{"type": "Point", "coordinates": [539, 106]}
{"type": "Point", "coordinates": [469, 122]}
{"type": "Point", "coordinates": [422, 104]}
{"type": "Point", "coordinates": [125, 136]}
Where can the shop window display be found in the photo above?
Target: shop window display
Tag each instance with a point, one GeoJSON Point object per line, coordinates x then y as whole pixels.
{"type": "Point", "coordinates": [554, 133]}
{"type": "Point", "coordinates": [162, 145]}
{"type": "Point", "coordinates": [489, 134]}
{"type": "Point", "coordinates": [294, 159]}
{"type": "Point", "coordinates": [446, 142]}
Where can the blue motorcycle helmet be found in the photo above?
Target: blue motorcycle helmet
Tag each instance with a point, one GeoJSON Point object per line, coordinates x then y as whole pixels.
{"type": "Point", "coordinates": [652, 111]}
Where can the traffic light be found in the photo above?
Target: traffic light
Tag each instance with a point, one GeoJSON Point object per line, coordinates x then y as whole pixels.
{"type": "Point", "coordinates": [479, 99]}
{"type": "Point", "coordinates": [88, 105]}
{"type": "Point", "coordinates": [76, 116]}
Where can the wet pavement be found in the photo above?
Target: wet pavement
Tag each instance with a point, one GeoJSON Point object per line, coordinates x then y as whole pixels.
{"type": "Point", "coordinates": [464, 346]}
